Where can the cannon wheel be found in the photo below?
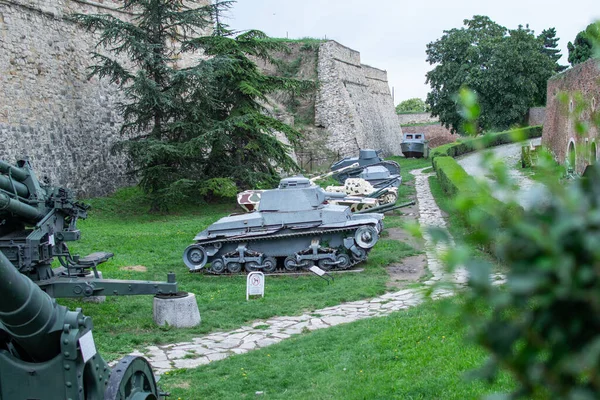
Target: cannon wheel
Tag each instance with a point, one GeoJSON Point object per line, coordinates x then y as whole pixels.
{"type": "Point", "coordinates": [132, 378]}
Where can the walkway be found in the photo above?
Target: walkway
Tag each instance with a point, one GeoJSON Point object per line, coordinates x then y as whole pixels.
{"type": "Point", "coordinates": [529, 193]}
{"type": "Point", "coordinates": [218, 346]}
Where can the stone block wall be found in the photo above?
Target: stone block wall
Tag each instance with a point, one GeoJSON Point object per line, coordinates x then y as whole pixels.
{"type": "Point", "coordinates": [49, 111]}
{"type": "Point", "coordinates": [354, 104]}
{"type": "Point", "coordinates": [580, 84]}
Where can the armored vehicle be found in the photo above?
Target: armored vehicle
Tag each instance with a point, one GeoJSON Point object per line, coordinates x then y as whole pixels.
{"type": "Point", "coordinates": [48, 352]}
{"type": "Point", "coordinates": [370, 167]}
{"type": "Point", "coordinates": [292, 229]}
{"type": "Point", "coordinates": [414, 145]}
{"type": "Point", "coordinates": [37, 221]}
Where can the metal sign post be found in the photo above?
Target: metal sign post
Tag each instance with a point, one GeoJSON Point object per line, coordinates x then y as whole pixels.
{"type": "Point", "coordinates": [255, 284]}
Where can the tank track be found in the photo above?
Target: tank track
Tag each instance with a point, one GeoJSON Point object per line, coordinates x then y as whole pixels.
{"type": "Point", "coordinates": [283, 271]}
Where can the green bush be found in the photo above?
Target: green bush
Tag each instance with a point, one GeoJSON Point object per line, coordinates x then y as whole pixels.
{"type": "Point", "coordinates": [473, 201]}
{"type": "Point", "coordinates": [490, 140]}
{"type": "Point", "coordinates": [545, 322]}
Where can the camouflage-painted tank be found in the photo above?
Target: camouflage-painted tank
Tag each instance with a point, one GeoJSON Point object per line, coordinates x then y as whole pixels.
{"type": "Point", "coordinates": [292, 229]}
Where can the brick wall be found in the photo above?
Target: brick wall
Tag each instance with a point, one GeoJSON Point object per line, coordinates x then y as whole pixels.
{"type": "Point", "coordinates": [573, 96]}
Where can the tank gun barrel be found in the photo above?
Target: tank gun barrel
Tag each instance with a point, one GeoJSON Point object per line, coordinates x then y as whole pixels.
{"type": "Point", "coordinates": [27, 313]}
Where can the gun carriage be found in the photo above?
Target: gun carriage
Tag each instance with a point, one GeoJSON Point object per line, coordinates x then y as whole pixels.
{"type": "Point", "coordinates": [36, 222]}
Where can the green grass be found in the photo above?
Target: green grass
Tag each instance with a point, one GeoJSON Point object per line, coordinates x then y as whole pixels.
{"type": "Point", "coordinates": [419, 353]}
{"type": "Point", "coordinates": [407, 192]}
{"type": "Point", "coordinates": [120, 224]}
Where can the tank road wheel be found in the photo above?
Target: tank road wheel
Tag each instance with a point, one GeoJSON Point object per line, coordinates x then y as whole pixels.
{"type": "Point", "coordinates": [132, 378]}
{"type": "Point", "coordinates": [290, 263]}
{"type": "Point", "coordinates": [270, 265]}
{"type": "Point", "coordinates": [362, 254]}
{"type": "Point", "coordinates": [325, 264]}
{"type": "Point", "coordinates": [217, 266]}
{"type": "Point", "coordinates": [344, 261]}
{"type": "Point", "coordinates": [251, 266]}
{"type": "Point", "coordinates": [195, 257]}
{"type": "Point", "coordinates": [366, 237]}
{"type": "Point", "coordinates": [234, 267]}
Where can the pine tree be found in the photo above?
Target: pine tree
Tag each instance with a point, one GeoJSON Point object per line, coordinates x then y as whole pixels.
{"type": "Point", "coordinates": [198, 131]}
{"type": "Point", "coordinates": [550, 43]}
{"type": "Point", "coordinates": [243, 139]}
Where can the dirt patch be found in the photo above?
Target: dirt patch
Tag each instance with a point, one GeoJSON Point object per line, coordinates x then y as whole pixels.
{"type": "Point", "coordinates": [135, 268]}
{"type": "Point", "coordinates": [410, 269]}
{"type": "Point", "coordinates": [181, 385]}
{"type": "Point", "coordinates": [406, 237]}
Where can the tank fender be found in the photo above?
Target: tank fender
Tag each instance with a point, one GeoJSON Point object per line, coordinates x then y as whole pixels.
{"type": "Point", "coordinates": [349, 242]}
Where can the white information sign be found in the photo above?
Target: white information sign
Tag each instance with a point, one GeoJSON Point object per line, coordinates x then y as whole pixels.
{"type": "Point", "coordinates": [255, 284]}
{"type": "Point", "coordinates": [88, 348]}
{"type": "Point", "coordinates": [317, 270]}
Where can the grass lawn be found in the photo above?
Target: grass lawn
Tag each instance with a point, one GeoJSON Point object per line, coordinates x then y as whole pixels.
{"type": "Point", "coordinates": [121, 224]}
{"type": "Point", "coordinates": [419, 353]}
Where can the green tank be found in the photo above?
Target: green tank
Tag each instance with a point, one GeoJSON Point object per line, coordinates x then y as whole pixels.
{"type": "Point", "coordinates": [48, 353]}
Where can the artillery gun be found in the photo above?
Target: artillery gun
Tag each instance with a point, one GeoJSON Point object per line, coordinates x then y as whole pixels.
{"type": "Point", "coordinates": [48, 352]}
{"type": "Point", "coordinates": [292, 229]}
{"type": "Point", "coordinates": [36, 222]}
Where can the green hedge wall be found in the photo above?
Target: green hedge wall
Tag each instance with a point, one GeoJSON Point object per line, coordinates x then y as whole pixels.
{"type": "Point", "coordinates": [495, 139]}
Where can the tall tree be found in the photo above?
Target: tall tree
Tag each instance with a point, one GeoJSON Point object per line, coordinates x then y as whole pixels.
{"type": "Point", "coordinates": [507, 69]}
{"type": "Point", "coordinates": [243, 139]}
{"type": "Point", "coordinates": [178, 122]}
{"type": "Point", "coordinates": [548, 37]}
{"type": "Point", "coordinates": [582, 48]}
{"type": "Point", "coordinates": [414, 105]}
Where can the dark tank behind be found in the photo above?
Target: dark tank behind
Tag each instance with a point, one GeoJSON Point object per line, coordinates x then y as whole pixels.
{"type": "Point", "coordinates": [292, 229]}
{"type": "Point", "coordinates": [370, 167]}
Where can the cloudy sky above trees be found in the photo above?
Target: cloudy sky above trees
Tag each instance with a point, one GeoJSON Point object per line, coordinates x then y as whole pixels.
{"type": "Point", "coordinates": [393, 34]}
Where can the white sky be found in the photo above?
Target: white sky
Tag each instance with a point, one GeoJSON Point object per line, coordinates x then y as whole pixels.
{"type": "Point", "coordinates": [392, 34]}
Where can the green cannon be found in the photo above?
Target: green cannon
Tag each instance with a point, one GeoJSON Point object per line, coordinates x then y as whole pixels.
{"type": "Point", "coordinates": [48, 353]}
{"type": "Point", "coordinates": [36, 222]}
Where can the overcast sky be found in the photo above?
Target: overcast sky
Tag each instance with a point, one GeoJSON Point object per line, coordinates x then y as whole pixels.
{"type": "Point", "coordinates": [392, 34]}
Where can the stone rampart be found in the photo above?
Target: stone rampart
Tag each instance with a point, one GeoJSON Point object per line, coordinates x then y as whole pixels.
{"type": "Point", "coordinates": [49, 111]}
{"type": "Point", "coordinates": [354, 104]}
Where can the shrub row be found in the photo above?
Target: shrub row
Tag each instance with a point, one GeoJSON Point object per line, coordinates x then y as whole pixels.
{"type": "Point", "coordinates": [490, 140]}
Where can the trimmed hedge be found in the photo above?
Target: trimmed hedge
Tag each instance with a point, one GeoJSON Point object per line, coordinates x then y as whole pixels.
{"type": "Point", "coordinates": [495, 139]}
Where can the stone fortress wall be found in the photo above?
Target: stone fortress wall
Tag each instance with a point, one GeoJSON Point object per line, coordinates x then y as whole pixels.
{"type": "Point", "coordinates": [354, 104]}
{"type": "Point", "coordinates": [49, 111]}
{"type": "Point", "coordinates": [66, 124]}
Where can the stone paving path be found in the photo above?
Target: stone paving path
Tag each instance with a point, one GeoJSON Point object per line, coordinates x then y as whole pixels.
{"type": "Point", "coordinates": [217, 346]}
{"type": "Point", "coordinates": [529, 193]}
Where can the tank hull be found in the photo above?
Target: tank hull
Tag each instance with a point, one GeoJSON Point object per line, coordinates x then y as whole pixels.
{"type": "Point", "coordinates": [413, 149]}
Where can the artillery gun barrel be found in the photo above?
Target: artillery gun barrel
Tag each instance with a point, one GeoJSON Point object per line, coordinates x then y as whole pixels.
{"type": "Point", "coordinates": [27, 313]}
{"type": "Point", "coordinates": [16, 207]}
{"type": "Point", "coordinates": [17, 173]}
{"type": "Point", "coordinates": [12, 186]}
